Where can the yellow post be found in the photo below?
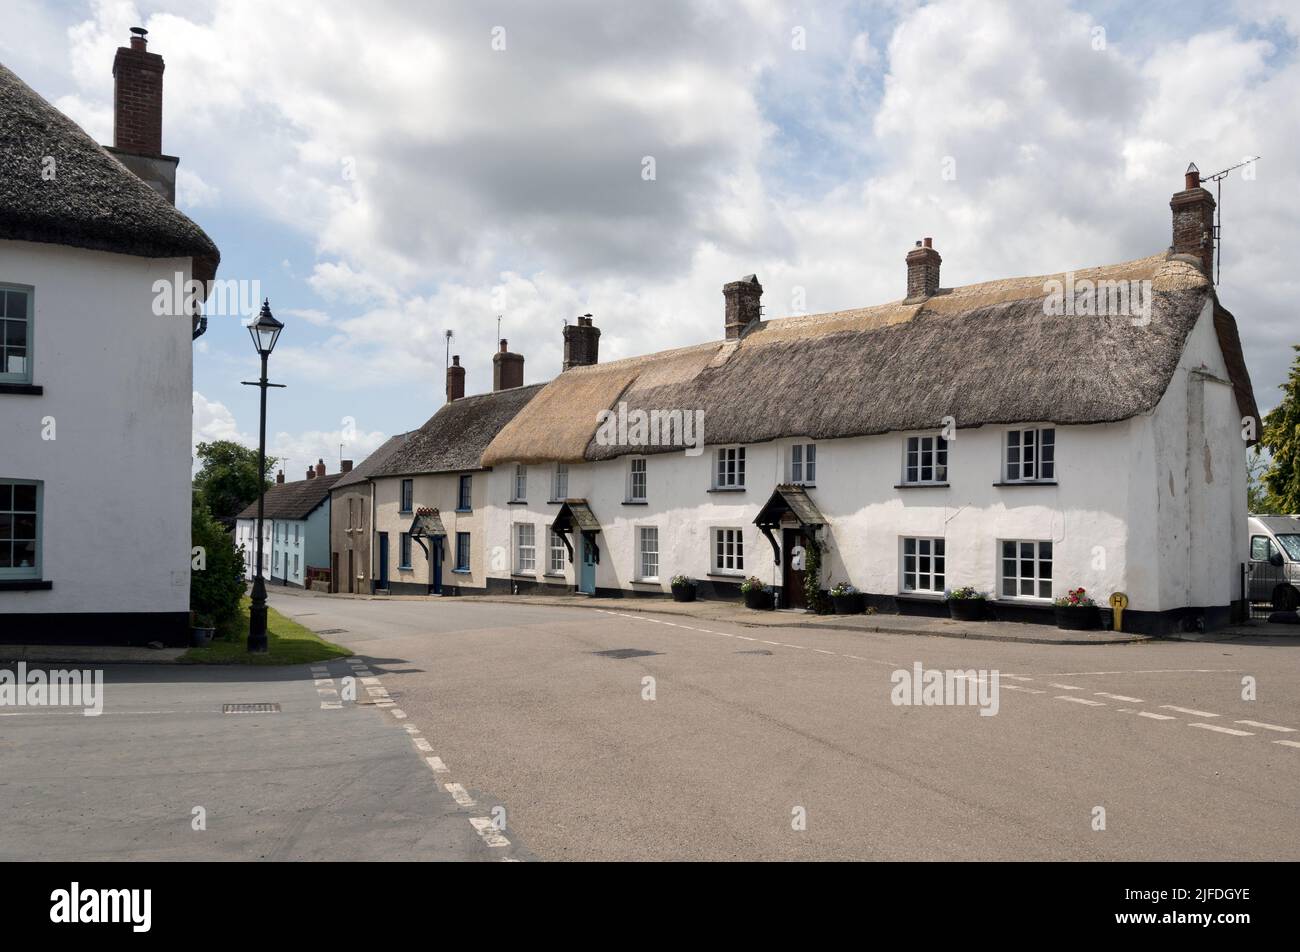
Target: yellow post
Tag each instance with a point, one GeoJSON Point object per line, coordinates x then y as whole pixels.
{"type": "Point", "coordinates": [1118, 602]}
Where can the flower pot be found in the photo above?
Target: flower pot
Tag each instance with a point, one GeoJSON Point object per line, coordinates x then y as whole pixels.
{"type": "Point", "coordinates": [683, 593]}
{"type": "Point", "coordinates": [759, 600]}
{"type": "Point", "coordinates": [851, 604]}
{"type": "Point", "coordinates": [966, 609]}
{"type": "Point", "coordinates": [201, 636]}
{"type": "Point", "coordinates": [1077, 618]}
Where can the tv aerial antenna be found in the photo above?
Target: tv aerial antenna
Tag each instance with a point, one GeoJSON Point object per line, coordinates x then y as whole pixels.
{"type": "Point", "coordinates": [448, 335]}
{"type": "Point", "coordinates": [1217, 178]}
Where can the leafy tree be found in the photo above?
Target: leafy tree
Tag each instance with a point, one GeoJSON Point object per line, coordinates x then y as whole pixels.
{"type": "Point", "coordinates": [1259, 501]}
{"type": "Point", "coordinates": [217, 570]}
{"type": "Point", "coordinates": [227, 480]}
{"type": "Point", "coordinates": [1281, 437]}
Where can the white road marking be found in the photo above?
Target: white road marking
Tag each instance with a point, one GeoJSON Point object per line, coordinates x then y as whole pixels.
{"type": "Point", "coordinates": [1154, 717]}
{"type": "Point", "coordinates": [1079, 700]}
{"type": "Point", "coordinates": [1223, 730]}
{"type": "Point", "coordinates": [1187, 710]}
{"type": "Point", "coordinates": [331, 705]}
{"type": "Point", "coordinates": [1017, 687]}
{"type": "Point", "coordinates": [777, 643]}
{"type": "Point", "coordinates": [369, 680]}
{"type": "Point", "coordinates": [1267, 727]}
{"type": "Point", "coordinates": [1016, 677]}
{"type": "Point", "coordinates": [823, 651]}
{"type": "Point", "coordinates": [423, 744]}
{"type": "Point", "coordinates": [1118, 697]}
{"type": "Point", "coordinates": [410, 728]}
{"type": "Point", "coordinates": [487, 829]}
{"type": "Point", "coordinates": [436, 764]}
{"type": "Point", "coordinates": [1064, 687]}
{"type": "Point", "coordinates": [747, 638]}
{"type": "Point", "coordinates": [1288, 743]}
{"type": "Point", "coordinates": [398, 713]}
{"type": "Point", "coordinates": [458, 794]}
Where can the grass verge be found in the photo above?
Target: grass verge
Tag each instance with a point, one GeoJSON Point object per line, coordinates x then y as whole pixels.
{"type": "Point", "coordinates": [288, 643]}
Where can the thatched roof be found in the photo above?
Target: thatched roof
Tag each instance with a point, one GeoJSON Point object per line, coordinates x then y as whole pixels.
{"type": "Point", "coordinates": [984, 354]}
{"type": "Point", "coordinates": [93, 201]}
{"type": "Point", "coordinates": [453, 439]}
{"type": "Point", "coordinates": [372, 463]}
{"type": "Point", "coordinates": [296, 500]}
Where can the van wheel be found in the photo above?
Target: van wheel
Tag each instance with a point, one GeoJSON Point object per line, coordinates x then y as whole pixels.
{"type": "Point", "coordinates": [1285, 598]}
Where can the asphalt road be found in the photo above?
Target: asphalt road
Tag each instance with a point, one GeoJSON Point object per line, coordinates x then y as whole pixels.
{"type": "Point", "coordinates": [749, 729]}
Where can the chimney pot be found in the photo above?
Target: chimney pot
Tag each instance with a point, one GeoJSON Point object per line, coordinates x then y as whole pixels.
{"type": "Point", "coordinates": [345, 466]}
{"type": "Point", "coordinates": [279, 477]}
{"type": "Point", "coordinates": [581, 343]}
{"type": "Point", "coordinates": [311, 473]}
{"type": "Point", "coordinates": [922, 271]}
{"type": "Point", "coordinates": [137, 115]}
{"type": "Point", "coordinates": [455, 379]}
{"type": "Point", "coordinates": [504, 348]}
{"type": "Point", "coordinates": [743, 306]}
{"type": "Point", "coordinates": [320, 467]}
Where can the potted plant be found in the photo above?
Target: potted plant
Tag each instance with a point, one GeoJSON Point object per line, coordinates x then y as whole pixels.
{"type": "Point", "coordinates": [683, 588]}
{"type": "Point", "coordinates": [1076, 611]}
{"type": "Point", "coordinates": [965, 603]}
{"type": "Point", "coordinates": [203, 630]}
{"type": "Point", "coordinates": [846, 599]}
{"type": "Point", "coordinates": [757, 595]}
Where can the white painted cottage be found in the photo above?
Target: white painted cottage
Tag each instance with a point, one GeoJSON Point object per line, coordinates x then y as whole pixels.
{"type": "Point", "coordinates": [295, 528]}
{"type": "Point", "coordinates": [95, 387]}
{"type": "Point", "coordinates": [1023, 436]}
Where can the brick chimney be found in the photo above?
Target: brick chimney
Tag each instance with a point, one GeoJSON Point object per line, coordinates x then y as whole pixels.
{"type": "Point", "coordinates": [455, 379]}
{"type": "Point", "coordinates": [743, 307]}
{"type": "Point", "coordinates": [311, 472]}
{"type": "Point", "coordinates": [507, 369]}
{"type": "Point", "coordinates": [320, 467]}
{"type": "Point", "coordinates": [279, 477]}
{"type": "Point", "coordinates": [137, 115]}
{"type": "Point", "coordinates": [1193, 210]}
{"type": "Point", "coordinates": [581, 343]}
{"type": "Point", "coordinates": [922, 271]}
{"type": "Point", "coordinates": [345, 466]}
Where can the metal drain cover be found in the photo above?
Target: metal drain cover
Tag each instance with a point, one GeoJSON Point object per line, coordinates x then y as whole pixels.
{"type": "Point", "coordinates": [625, 653]}
{"type": "Point", "coordinates": [259, 708]}
{"type": "Point", "coordinates": [759, 651]}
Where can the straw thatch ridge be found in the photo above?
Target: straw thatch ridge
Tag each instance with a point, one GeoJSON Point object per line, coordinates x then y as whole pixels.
{"type": "Point", "coordinates": [454, 438]}
{"type": "Point", "coordinates": [372, 463]}
{"type": "Point", "coordinates": [983, 354]}
{"type": "Point", "coordinates": [93, 201]}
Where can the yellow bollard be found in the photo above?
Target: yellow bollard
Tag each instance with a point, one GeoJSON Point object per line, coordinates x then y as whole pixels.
{"type": "Point", "coordinates": [1118, 602]}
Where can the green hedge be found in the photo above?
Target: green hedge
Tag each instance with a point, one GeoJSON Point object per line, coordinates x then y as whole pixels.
{"type": "Point", "coordinates": [217, 572]}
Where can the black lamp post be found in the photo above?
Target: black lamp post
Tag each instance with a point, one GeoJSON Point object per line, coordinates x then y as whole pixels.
{"type": "Point", "coordinates": [265, 331]}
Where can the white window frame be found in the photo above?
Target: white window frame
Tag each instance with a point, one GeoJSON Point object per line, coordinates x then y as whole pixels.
{"type": "Point", "coordinates": [922, 452]}
{"type": "Point", "coordinates": [646, 569]}
{"type": "Point", "coordinates": [638, 466]}
{"type": "Point", "coordinates": [727, 550]}
{"type": "Point", "coordinates": [803, 464]}
{"type": "Point", "coordinates": [1037, 561]}
{"type": "Point", "coordinates": [28, 571]}
{"type": "Point", "coordinates": [560, 482]}
{"type": "Point", "coordinates": [525, 551]}
{"type": "Point", "coordinates": [555, 552]}
{"type": "Point", "coordinates": [729, 468]}
{"type": "Point", "coordinates": [519, 484]}
{"type": "Point", "coordinates": [1040, 470]}
{"type": "Point", "coordinates": [24, 376]}
{"type": "Point", "coordinates": [928, 563]}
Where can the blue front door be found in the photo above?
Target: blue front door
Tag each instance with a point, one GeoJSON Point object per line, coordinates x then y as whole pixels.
{"type": "Point", "coordinates": [383, 560]}
{"type": "Point", "coordinates": [435, 553]}
{"type": "Point", "coordinates": [587, 572]}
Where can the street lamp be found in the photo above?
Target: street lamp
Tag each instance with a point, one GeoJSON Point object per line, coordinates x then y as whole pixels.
{"type": "Point", "coordinates": [265, 331]}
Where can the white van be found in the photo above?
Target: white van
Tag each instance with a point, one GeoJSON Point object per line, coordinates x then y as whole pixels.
{"type": "Point", "coordinates": [1273, 572]}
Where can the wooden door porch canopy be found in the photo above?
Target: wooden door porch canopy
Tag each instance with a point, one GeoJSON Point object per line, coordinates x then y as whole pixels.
{"type": "Point", "coordinates": [788, 499]}
{"type": "Point", "coordinates": [576, 516]}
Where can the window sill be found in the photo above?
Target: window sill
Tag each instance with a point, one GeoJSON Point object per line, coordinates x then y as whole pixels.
{"type": "Point", "coordinates": [405, 568]}
{"type": "Point", "coordinates": [1022, 600]}
{"type": "Point", "coordinates": [460, 572]}
{"type": "Point", "coordinates": [527, 575]}
{"type": "Point", "coordinates": [647, 581]}
{"type": "Point", "coordinates": [555, 502]}
{"type": "Point", "coordinates": [1026, 482]}
{"type": "Point", "coordinates": [25, 585]}
{"type": "Point", "coordinates": [517, 502]}
{"type": "Point", "coordinates": [727, 489]}
{"type": "Point", "coordinates": [405, 512]}
{"type": "Point", "coordinates": [923, 596]}
{"type": "Point", "coordinates": [463, 511]}
{"type": "Point", "coordinates": [728, 575]}
{"type": "Point", "coordinates": [802, 485]}
{"type": "Point", "coordinates": [554, 575]}
{"type": "Point", "coordinates": [27, 389]}
{"type": "Point", "coordinates": [636, 502]}
{"type": "Point", "coordinates": [921, 485]}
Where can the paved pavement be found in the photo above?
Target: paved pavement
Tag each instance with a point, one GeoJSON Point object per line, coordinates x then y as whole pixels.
{"type": "Point", "coordinates": [545, 711]}
{"type": "Point", "coordinates": [321, 780]}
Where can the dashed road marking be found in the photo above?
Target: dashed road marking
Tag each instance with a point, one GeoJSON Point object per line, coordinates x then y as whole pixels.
{"type": "Point", "coordinates": [1017, 687]}
{"type": "Point", "coordinates": [1267, 727]}
{"type": "Point", "coordinates": [1154, 717]}
{"type": "Point", "coordinates": [398, 713]}
{"type": "Point", "coordinates": [1222, 730]}
{"type": "Point", "coordinates": [1079, 700]}
{"type": "Point", "coordinates": [423, 744]}
{"type": "Point", "coordinates": [1118, 697]}
{"type": "Point", "coordinates": [488, 830]}
{"type": "Point", "coordinates": [1288, 743]}
{"type": "Point", "coordinates": [459, 794]}
{"type": "Point", "coordinates": [1187, 710]}
{"type": "Point", "coordinates": [436, 764]}
{"type": "Point", "coordinates": [1064, 687]}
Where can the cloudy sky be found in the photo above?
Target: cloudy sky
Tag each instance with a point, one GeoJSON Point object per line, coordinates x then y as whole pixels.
{"type": "Point", "coordinates": [391, 170]}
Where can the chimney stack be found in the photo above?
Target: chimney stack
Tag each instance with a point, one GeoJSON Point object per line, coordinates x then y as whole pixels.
{"type": "Point", "coordinates": [507, 369]}
{"type": "Point", "coordinates": [1193, 210]}
{"type": "Point", "coordinates": [137, 115]}
{"type": "Point", "coordinates": [345, 466]}
{"type": "Point", "coordinates": [320, 467]}
{"type": "Point", "coordinates": [743, 307]}
{"type": "Point", "coordinates": [279, 477]}
{"type": "Point", "coordinates": [581, 343]}
{"type": "Point", "coordinates": [922, 271]}
{"type": "Point", "coordinates": [311, 472]}
{"type": "Point", "coordinates": [455, 379]}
